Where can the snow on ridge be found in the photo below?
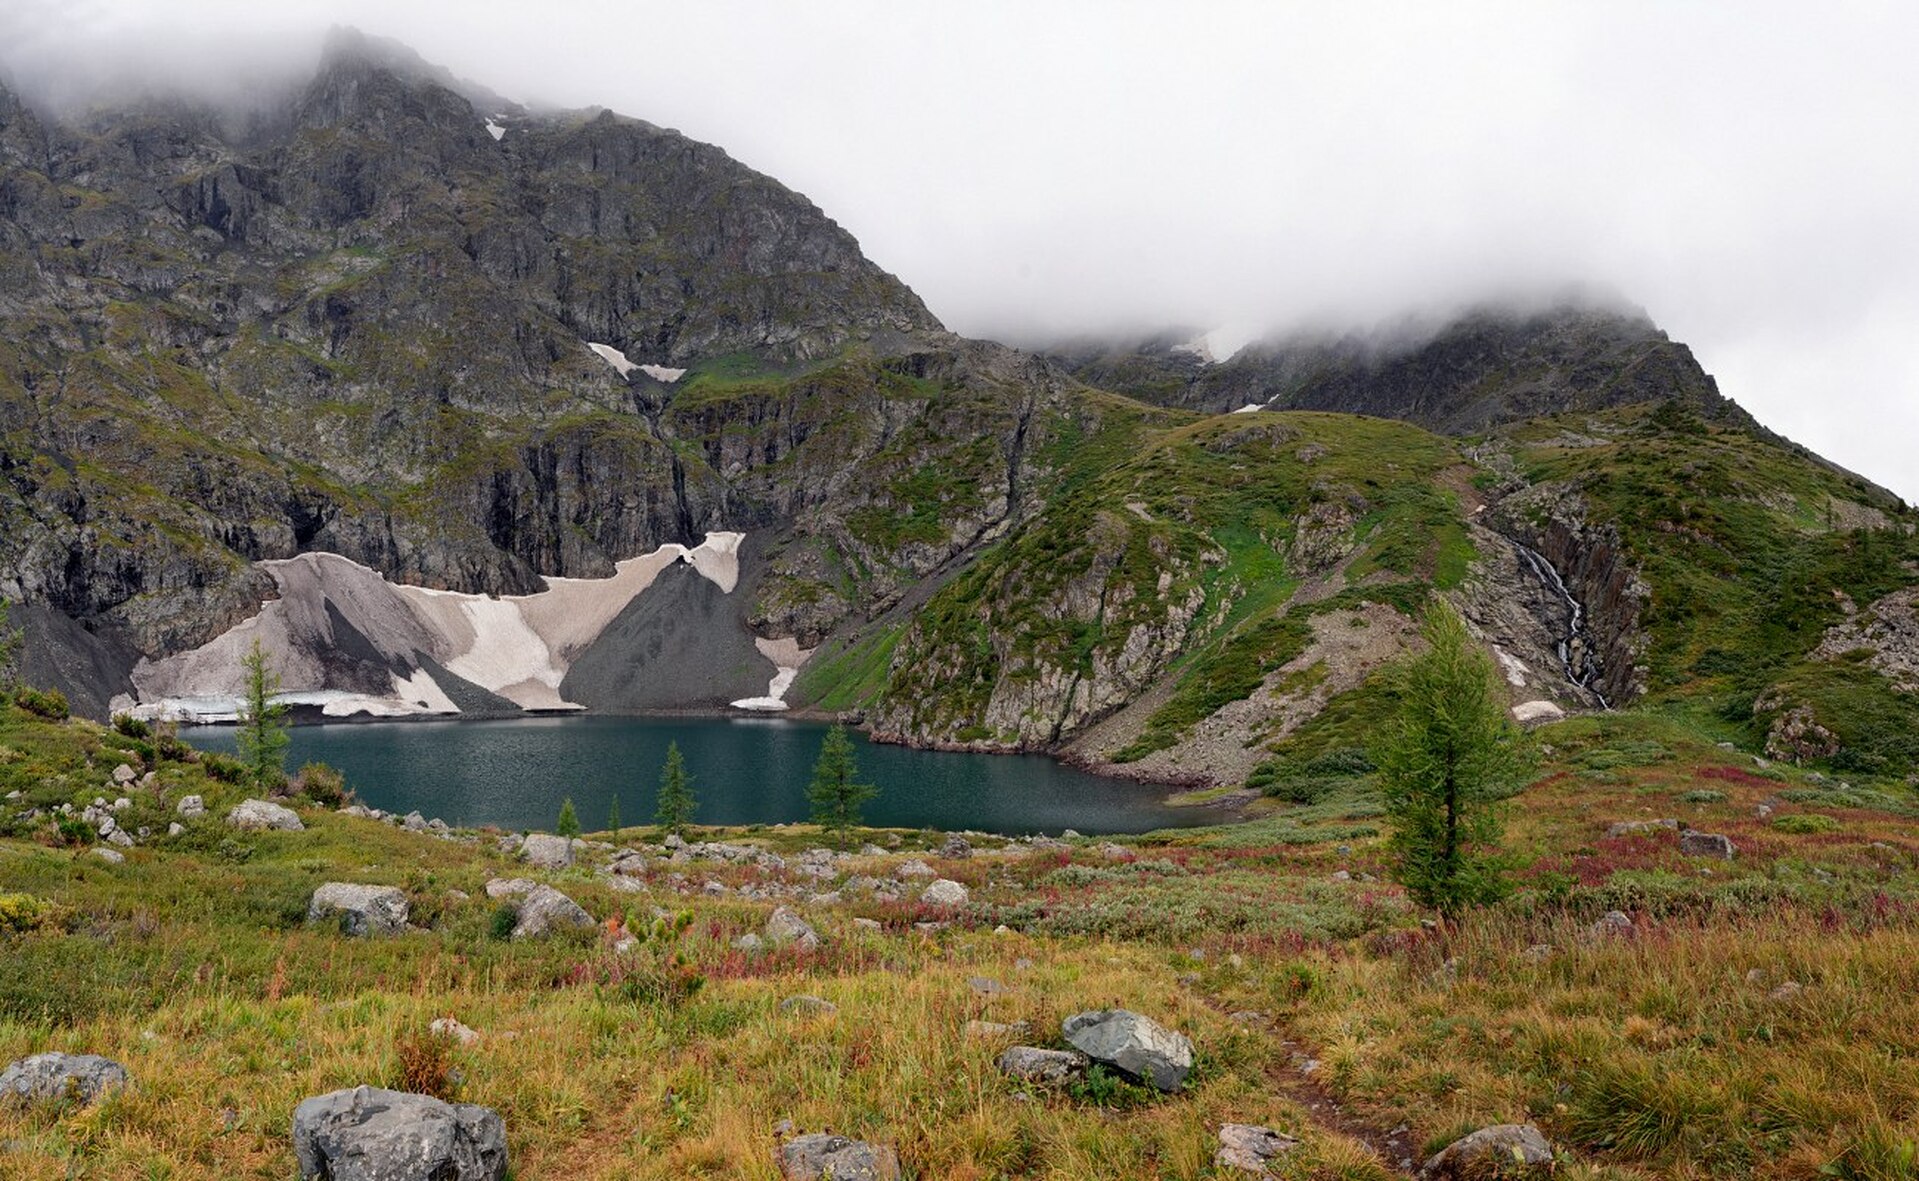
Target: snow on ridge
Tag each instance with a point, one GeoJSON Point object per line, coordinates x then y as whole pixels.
{"type": "Point", "coordinates": [494, 129]}
{"type": "Point", "coordinates": [663, 373]}
{"type": "Point", "coordinates": [1250, 408]}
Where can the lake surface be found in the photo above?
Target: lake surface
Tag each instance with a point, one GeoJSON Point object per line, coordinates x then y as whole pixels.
{"type": "Point", "coordinates": [514, 773]}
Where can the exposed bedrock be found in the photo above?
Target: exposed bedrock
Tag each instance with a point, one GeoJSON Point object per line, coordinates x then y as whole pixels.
{"type": "Point", "coordinates": [1588, 595]}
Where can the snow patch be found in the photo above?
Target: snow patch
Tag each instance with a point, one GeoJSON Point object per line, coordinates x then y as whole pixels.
{"type": "Point", "coordinates": [663, 373]}
{"type": "Point", "coordinates": [1516, 669]}
{"type": "Point", "coordinates": [495, 130]}
{"type": "Point", "coordinates": [787, 657]}
{"type": "Point", "coordinates": [1250, 408]}
{"type": "Point", "coordinates": [613, 357]}
{"type": "Point", "coordinates": [1220, 345]}
{"type": "Point", "coordinates": [718, 558]}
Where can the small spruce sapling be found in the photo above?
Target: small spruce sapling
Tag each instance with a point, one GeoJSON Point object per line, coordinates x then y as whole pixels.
{"type": "Point", "coordinates": [836, 792]}
{"type": "Point", "coordinates": [262, 738]}
{"type": "Point", "coordinates": [674, 806]}
{"type": "Point", "coordinates": [568, 825]}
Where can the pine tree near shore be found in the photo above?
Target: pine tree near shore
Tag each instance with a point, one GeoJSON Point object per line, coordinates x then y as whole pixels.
{"type": "Point", "coordinates": [613, 819]}
{"type": "Point", "coordinates": [836, 792]}
{"type": "Point", "coordinates": [1447, 760]}
{"type": "Point", "coordinates": [673, 810]}
{"type": "Point", "coordinates": [568, 825]}
{"type": "Point", "coordinates": [262, 737]}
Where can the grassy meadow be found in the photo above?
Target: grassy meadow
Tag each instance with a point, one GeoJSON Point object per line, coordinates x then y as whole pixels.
{"type": "Point", "coordinates": [1761, 1018]}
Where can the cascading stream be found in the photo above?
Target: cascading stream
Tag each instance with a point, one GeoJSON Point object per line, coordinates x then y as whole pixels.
{"type": "Point", "coordinates": [1578, 656]}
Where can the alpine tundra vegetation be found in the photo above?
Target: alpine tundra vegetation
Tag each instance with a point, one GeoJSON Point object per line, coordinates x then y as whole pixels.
{"type": "Point", "coordinates": [1566, 717]}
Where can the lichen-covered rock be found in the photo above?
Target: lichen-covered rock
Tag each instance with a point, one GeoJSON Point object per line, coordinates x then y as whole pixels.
{"type": "Point", "coordinates": [261, 815]}
{"type": "Point", "coordinates": [1706, 844]}
{"type": "Point", "coordinates": [825, 1157]}
{"type": "Point", "coordinates": [56, 1078]}
{"type": "Point", "coordinates": [191, 806]}
{"type": "Point", "coordinates": [785, 926]}
{"type": "Point", "coordinates": [369, 1134]}
{"type": "Point", "coordinates": [1137, 1045]}
{"type": "Point", "coordinates": [1251, 1148]}
{"type": "Point", "coordinates": [545, 851]}
{"type": "Point", "coordinates": [1506, 1151]}
{"type": "Point", "coordinates": [544, 910]}
{"type": "Point", "coordinates": [1035, 1065]}
{"type": "Point", "coordinates": [362, 910]}
{"type": "Point", "coordinates": [1633, 828]}
{"type": "Point", "coordinates": [945, 892]}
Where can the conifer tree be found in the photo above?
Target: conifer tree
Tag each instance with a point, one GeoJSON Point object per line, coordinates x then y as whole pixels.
{"type": "Point", "coordinates": [568, 825]}
{"type": "Point", "coordinates": [262, 738]}
{"type": "Point", "coordinates": [675, 805]}
{"type": "Point", "coordinates": [613, 818]}
{"type": "Point", "coordinates": [836, 792]}
{"type": "Point", "coordinates": [1449, 757]}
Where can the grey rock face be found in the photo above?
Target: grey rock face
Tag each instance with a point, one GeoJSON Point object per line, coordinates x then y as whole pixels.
{"type": "Point", "coordinates": [369, 1134]}
{"type": "Point", "coordinates": [260, 815]}
{"type": "Point", "coordinates": [1137, 1045]}
{"type": "Point", "coordinates": [1035, 1065]}
{"type": "Point", "coordinates": [1251, 1148]}
{"type": "Point", "coordinates": [1706, 844]}
{"type": "Point", "coordinates": [545, 851]}
{"type": "Point", "coordinates": [785, 926]}
{"type": "Point", "coordinates": [823, 1157]}
{"type": "Point", "coordinates": [544, 910]}
{"type": "Point", "coordinates": [1505, 1150]}
{"type": "Point", "coordinates": [81, 1078]}
{"type": "Point", "coordinates": [362, 910]}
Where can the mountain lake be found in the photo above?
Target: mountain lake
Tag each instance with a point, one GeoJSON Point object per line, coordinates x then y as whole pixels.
{"type": "Point", "coordinates": [514, 773]}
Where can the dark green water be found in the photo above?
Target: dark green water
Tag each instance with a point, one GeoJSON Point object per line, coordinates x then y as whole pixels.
{"type": "Point", "coordinates": [747, 771]}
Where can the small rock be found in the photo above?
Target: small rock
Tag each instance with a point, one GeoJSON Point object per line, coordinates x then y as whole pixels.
{"type": "Point", "coordinates": [748, 942]}
{"type": "Point", "coordinates": [1706, 844]}
{"type": "Point", "coordinates": [988, 1031]}
{"type": "Point", "coordinates": [1071, 835]}
{"type": "Point", "coordinates": [1137, 1045]}
{"type": "Point", "coordinates": [1627, 828]}
{"type": "Point", "coordinates": [1507, 1150]}
{"type": "Point", "coordinates": [1762, 810]}
{"type": "Point", "coordinates": [414, 822]}
{"type": "Point", "coordinates": [44, 1078]}
{"type": "Point", "coordinates": [945, 892]}
{"type": "Point", "coordinates": [124, 774]}
{"type": "Point", "coordinates": [509, 887]}
{"type": "Point", "coordinates": [1247, 1017]}
{"type": "Point", "coordinates": [1035, 1065]}
{"type": "Point", "coordinates": [175, 829]}
{"type": "Point", "coordinates": [1250, 1148]}
{"type": "Point", "coordinates": [110, 856]}
{"type": "Point", "coordinates": [867, 924]}
{"type": "Point", "coordinates": [956, 846]}
{"type": "Point", "coordinates": [1341, 876]}
{"type": "Point", "coordinates": [808, 1006]}
{"type": "Point", "coordinates": [545, 851]}
{"type": "Point", "coordinates": [362, 910]}
{"type": "Point", "coordinates": [1756, 976]}
{"type": "Point", "coordinates": [986, 986]}
{"type": "Point", "coordinates": [544, 910]}
{"type": "Point", "coordinates": [450, 1027]}
{"type": "Point", "coordinates": [1113, 852]}
{"type": "Point", "coordinates": [260, 815]}
{"type": "Point", "coordinates": [821, 1156]}
{"type": "Point", "coordinates": [785, 926]}
{"type": "Point", "coordinates": [1615, 922]}
{"type": "Point", "coordinates": [369, 1134]}
{"type": "Point", "coordinates": [913, 869]}
{"type": "Point", "coordinates": [1538, 953]}
{"type": "Point", "coordinates": [1786, 991]}
{"type": "Point", "coordinates": [509, 843]}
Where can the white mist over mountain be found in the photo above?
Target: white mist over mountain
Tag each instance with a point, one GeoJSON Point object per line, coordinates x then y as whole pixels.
{"type": "Point", "coordinates": [1744, 172]}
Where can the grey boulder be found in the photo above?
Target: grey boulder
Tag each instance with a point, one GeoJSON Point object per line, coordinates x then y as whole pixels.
{"type": "Point", "coordinates": [191, 806]}
{"type": "Point", "coordinates": [785, 926]}
{"type": "Point", "coordinates": [1139, 1046]}
{"type": "Point", "coordinates": [1706, 844]}
{"type": "Point", "coordinates": [1036, 1065]}
{"type": "Point", "coordinates": [59, 1077]}
{"type": "Point", "coordinates": [545, 910]}
{"type": "Point", "coordinates": [1504, 1150]}
{"type": "Point", "coordinates": [821, 1156]}
{"type": "Point", "coordinates": [945, 892]}
{"type": "Point", "coordinates": [369, 1134]}
{"type": "Point", "coordinates": [259, 815]}
{"type": "Point", "coordinates": [545, 851]}
{"type": "Point", "coordinates": [361, 910]}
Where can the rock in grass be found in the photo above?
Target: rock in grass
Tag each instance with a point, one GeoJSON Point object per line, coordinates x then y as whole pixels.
{"type": "Point", "coordinates": [453, 1027]}
{"type": "Point", "coordinates": [1505, 1151]}
{"type": "Point", "coordinates": [1632, 828]}
{"type": "Point", "coordinates": [369, 1134]}
{"type": "Point", "coordinates": [785, 926]}
{"type": "Point", "coordinates": [1251, 1148]}
{"type": "Point", "coordinates": [1035, 1065]}
{"type": "Point", "coordinates": [56, 1078]}
{"type": "Point", "coordinates": [510, 887]}
{"type": "Point", "coordinates": [191, 806]}
{"type": "Point", "coordinates": [945, 892]}
{"type": "Point", "coordinates": [913, 869]}
{"type": "Point", "coordinates": [1139, 1046]}
{"type": "Point", "coordinates": [259, 815]}
{"type": "Point", "coordinates": [362, 910]}
{"type": "Point", "coordinates": [1706, 844]}
{"type": "Point", "coordinates": [1613, 923]}
{"type": "Point", "coordinates": [110, 856]}
{"type": "Point", "coordinates": [545, 910]}
{"type": "Point", "coordinates": [821, 1156]}
{"type": "Point", "coordinates": [545, 851]}
{"type": "Point", "coordinates": [990, 1031]}
{"type": "Point", "coordinates": [808, 1006]}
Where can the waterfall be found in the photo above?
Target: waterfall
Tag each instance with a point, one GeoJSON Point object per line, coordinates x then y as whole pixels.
{"type": "Point", "coordinates": [1578, 656]}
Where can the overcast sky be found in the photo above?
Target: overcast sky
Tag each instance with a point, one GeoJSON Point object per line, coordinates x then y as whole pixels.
{"type": "Point", "coordinates": [1748, 173]}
